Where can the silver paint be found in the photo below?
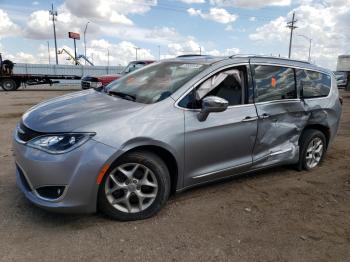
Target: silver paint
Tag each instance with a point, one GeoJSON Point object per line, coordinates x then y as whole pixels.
{"type": "Point", "coordinates": [241, 139]}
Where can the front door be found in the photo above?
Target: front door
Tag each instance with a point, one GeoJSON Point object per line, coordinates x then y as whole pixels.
{"type": "Point", "coordinates": [223, 143]}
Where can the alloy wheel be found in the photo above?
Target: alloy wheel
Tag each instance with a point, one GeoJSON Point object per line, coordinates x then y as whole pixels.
{"type": "Point", "coordinates": [131, 188]}
{"type": "Point", "coordinates": [314, 152]}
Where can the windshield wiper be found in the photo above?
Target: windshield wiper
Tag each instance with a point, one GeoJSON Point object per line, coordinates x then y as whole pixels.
{"type": "Point", "coordinates": [122, 95]}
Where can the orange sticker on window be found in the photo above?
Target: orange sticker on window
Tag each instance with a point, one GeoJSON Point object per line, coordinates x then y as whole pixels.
{"type": "Point", "coordinates": [273, 82]}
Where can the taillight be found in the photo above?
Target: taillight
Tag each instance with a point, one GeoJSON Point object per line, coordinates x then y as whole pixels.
{"type": "Point", "coordinates": [341, 100]}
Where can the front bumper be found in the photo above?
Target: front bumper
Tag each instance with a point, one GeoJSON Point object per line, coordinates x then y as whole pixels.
{"type": "Point", "coordinates": [76, 171]}
{"type": "Point", "coordinates": [90, 84]}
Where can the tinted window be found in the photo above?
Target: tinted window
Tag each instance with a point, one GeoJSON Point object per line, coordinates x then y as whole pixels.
{"type": "Point", "coordinates": [229, 87]}
{"type": "Point", "coordinates": [313, 84]}
{"type": "Point", "coordinates": [274, 83]}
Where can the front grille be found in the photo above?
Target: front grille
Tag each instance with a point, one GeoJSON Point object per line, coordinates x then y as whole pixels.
{"type": "Point", "coordinates": [85, 84]}
{"type": "Point", "coordinates": [23, 179]}
{"type": "Point", "coordinates": [25, 134]}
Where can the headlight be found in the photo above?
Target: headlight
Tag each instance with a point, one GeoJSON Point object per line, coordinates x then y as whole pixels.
{"type": "Point", "coordinates": [60, 143]}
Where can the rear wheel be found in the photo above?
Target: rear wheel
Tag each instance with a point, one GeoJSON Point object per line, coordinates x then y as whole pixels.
{"type": "Point", "coordinates": [313, 148]}
{"type": "Point", "coordinates": [136, 187]}
{"type": "Point", "coordinates": [9, 84]}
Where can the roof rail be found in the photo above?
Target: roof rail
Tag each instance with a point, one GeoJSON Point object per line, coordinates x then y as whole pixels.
{"type": "Point", "coordinates": [192, 55]}
{"type": "Point", "coordinates": [271, 57]}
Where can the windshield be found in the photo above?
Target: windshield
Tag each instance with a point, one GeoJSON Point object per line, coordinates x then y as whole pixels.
{"type": "Point", "coordinates": [132, 67]}
{"type": "Point", "coordinates": [155, 82]}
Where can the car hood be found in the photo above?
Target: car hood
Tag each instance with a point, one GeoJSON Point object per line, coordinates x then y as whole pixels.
{"type": "Point", "coordinates": [109, 76]}
{"type": "Point", "coordinates": [69, 112]}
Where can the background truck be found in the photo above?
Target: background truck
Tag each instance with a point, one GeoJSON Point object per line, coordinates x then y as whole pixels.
{"type": "Point", "coordinates": [343, 66]}
{"type": "Point", "coordinates": [13, 75]}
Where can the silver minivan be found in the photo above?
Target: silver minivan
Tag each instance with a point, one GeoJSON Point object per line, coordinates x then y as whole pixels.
{"type": "Point", "coordinates": [170, 126]}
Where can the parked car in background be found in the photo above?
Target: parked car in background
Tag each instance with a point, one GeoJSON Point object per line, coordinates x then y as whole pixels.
{"type": "Point", "coordinates": [98, 81]}
{"type": "Point", "coordinates": [171, 126]}
{"type": "Point", "coordinates": [341, 78]}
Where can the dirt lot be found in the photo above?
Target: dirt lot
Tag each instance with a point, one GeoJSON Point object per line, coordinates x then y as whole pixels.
{"type": "Point", "coordinates": [275, 215]}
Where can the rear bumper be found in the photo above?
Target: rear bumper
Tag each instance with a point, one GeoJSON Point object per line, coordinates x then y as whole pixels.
{"type": "Point", "coordinates": [76, 171]}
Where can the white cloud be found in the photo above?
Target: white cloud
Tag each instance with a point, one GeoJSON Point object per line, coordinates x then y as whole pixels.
{"type": "Point", "coordinates": [7, 26]}
{"type": "Point", "coordinates": [274, 30]}
{"type": "Point", "coordinates": [252, 19]}
{"type": "Point", "coordinates": [190, 46]}
{"type": "Point", "coordinates": [327, 24]}
{"type": "Point", "coordinates": [193, 1]}
{"type": "Point", "coordinates": [251, 3]}
{"type": "Point", "coordinates": [119, 54]}
{"type": "Point", "coordinates": [219, 15]}
{"type": "Point", "coordinates": [114, 11]}
{"type": "Point", "coordinates": [74, 14]}
{"type": "Point", "coordinates": [226, 52]}
{"type": "Point", "coordinates": [229, 28]}
{"type": "Point", "coordinates": [39, 25]}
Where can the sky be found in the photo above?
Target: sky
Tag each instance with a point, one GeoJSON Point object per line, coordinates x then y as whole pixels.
{"type": "Point", "coordinates": [174, 27]}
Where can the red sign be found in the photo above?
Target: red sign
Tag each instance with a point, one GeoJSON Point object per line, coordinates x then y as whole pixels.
{"type": "Point", "coordinates": [74, 35]}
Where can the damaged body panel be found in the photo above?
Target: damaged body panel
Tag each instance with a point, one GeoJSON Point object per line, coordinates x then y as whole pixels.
{"type": "Point", "coordinates": [285, 111]}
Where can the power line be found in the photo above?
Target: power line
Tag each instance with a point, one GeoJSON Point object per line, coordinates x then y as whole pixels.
{"type": "Point", "coordinates": [184, 10]}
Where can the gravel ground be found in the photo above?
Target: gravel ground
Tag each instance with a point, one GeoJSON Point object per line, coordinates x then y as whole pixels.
{"type": "Point", "coordinates": [274, 215]}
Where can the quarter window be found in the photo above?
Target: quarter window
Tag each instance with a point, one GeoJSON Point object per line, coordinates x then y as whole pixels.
{"type": "Point", "coordinates": [274, 83]}
{"type": "Point", "coordinates": [313, 84]}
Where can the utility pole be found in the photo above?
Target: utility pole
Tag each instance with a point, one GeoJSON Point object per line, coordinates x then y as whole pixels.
{"type": "Point", "coordinates": [310, 50]}
{"type": "Point", "coordinates": [136, 48]}
{"type": "Point", "coordinates": [291, 26]}
{"type": "Point", "coordinates": [85, 40]}
{"type": "Point", "coordinates": [48, 51]}
{"type": "Point", "coordinates": [310, 44]}
{"type": "Point", "coordinates": [54, 14]}
{"type": "Point", "coordinates": [159, 52]}
{"type": "Point", "coordinates": [75, 52]}
{"type": "Point", "coordinates": [200, 50]}
{"type": "Point", "coordinates": [107, 61]}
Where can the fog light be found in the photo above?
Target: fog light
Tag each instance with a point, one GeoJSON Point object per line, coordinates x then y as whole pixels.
{"type": "Point", "coordinates": [50, 192]}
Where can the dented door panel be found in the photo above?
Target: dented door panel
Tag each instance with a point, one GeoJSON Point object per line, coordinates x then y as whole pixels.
{"type": "Point", "coordinates": [279, 127]}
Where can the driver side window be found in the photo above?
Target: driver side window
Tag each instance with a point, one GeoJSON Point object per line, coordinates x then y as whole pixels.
{"type": "Point", "coordinates": [226, 84]}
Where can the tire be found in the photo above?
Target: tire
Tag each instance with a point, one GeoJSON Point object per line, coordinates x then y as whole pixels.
{"type": "Point", "coordinates": [128, 199]}
{"type": "Point", "coordinates": [9, 84]}
{"type": "Point", "coordinates": [310, 138]}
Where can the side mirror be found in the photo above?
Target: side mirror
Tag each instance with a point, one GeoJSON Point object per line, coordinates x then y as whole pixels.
{"type": "Point", "coordinates": [212, 104]}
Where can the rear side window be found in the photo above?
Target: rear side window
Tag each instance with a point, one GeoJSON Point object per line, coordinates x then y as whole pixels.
{"type": "Point", "coordinates": [313, 84]}
{"type": "Point", "coordinates": [274, 83]}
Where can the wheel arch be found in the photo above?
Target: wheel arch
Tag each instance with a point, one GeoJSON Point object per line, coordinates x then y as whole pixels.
{"type": "Point", "coordinates": [166, 155]}
{"type": "Point", "coordinates": [324, 129]}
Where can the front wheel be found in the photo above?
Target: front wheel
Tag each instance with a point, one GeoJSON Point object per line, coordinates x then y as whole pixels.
{"type": "Point", "coordinates": [9, 85]}
{"type": "Point", "coordinates": [313, 148]}
{"type": "Point", "coordinates": [136, 187]}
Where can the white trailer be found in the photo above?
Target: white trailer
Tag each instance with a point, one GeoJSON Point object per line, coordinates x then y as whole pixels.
{"type": "Point", "coordinates": [343, 65]}
{"type": "Point", "coordinates": [12, 77]}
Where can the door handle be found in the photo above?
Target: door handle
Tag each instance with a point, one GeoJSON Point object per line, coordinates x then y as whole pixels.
{"type": "Point", "coordinates": [249, 118]}
{"type": "Point", "coordinates": [265, 116]}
